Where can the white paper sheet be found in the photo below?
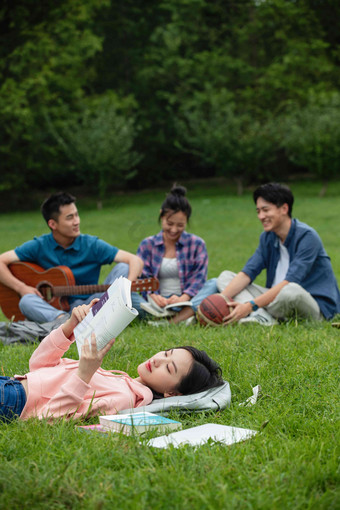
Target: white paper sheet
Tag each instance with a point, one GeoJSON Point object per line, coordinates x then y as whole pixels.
{"type": "Point", "coordinates": [196, 436]}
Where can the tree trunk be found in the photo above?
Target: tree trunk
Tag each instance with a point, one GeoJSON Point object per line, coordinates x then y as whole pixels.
{"type": "Point", "coordinates": [324, 188]}
{"type": "Point", "coordinates": [239, 185]}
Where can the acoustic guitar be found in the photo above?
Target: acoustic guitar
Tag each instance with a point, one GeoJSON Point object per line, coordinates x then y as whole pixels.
{"type": "Point", "coordinates": [55, 284]}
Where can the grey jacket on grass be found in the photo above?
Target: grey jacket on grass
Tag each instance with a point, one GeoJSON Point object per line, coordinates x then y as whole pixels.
{"type": "Point", "coordinates": [28, 331]}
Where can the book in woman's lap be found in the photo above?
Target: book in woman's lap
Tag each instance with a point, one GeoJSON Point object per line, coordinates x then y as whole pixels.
{"type": "Point", "coordinates": [167, 311]}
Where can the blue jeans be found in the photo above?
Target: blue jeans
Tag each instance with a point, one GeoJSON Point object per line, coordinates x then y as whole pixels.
{"type": "Point", "coordinates": [37, 310]}
{"type": "Point", "coordinates": [12, 398]}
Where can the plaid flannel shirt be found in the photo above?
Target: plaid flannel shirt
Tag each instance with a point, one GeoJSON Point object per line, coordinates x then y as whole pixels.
{"type": "Point", "coordinates": [191, 255]}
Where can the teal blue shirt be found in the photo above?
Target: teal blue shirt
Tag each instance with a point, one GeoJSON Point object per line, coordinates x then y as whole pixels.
{"type": "Point", "coordinates": [84, 257]}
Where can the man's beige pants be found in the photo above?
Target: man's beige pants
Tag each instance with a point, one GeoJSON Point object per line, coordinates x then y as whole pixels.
{"type": "Point", "coordinates": [293, 300]}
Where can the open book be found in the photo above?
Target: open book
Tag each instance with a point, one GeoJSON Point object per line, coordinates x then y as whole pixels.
{"type": "Point", "coordinates": [152, 308]}
{"type": "Point", "coordinates": [109, 316]}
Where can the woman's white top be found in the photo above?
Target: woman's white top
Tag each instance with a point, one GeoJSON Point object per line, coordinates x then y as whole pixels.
{"type": "Point", "coordinates": [169, 282]}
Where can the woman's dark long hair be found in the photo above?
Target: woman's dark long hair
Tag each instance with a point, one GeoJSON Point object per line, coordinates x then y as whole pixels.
{"type": "Point", "coordinates": [204, 373]}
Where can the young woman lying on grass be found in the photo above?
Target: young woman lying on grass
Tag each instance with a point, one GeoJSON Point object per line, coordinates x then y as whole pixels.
{"type": "Point", "coordinates": [57, 386]}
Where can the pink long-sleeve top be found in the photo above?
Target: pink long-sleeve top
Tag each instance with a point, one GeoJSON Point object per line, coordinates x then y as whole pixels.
{"type": "Point", "coordinates": [54, 388]}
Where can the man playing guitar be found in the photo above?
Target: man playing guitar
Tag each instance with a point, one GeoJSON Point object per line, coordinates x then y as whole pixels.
{"type": "Point", "coordinates": [64, 246]}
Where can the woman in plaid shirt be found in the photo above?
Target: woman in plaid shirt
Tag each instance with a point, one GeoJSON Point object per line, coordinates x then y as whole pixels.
{"type": "Point", "coordinates": [178, 259]}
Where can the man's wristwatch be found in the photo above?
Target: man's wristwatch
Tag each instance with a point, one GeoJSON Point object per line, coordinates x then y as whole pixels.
{"type": "Point", "coordinates": [253, 305]}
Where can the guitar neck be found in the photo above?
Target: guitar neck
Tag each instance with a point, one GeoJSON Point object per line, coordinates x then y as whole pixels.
{"type": "Point", "coordinates": [78, 290]}
{"type": "Point", "coordinates": [140, 285]}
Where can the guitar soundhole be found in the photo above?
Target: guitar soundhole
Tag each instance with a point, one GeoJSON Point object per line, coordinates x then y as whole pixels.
{"type": "Point", "coordinates": [46, 290]}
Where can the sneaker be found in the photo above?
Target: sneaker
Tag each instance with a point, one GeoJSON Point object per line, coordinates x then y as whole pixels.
{"type": "Point", "coordinates": [247, 320]}
{"type": "Point", "coordinates": [259, 319]}
{"type": "Point", "coordinates": [190, 321]}
{"type": "Point", "coordinates": [336, 324]}
{"type": "Point", "coordinates": [159, 324]}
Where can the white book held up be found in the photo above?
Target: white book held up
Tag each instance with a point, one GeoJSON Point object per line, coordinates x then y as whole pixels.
{"type": "Point", "coordinates": [109, 316]}
{"type": "Point", "coordinates": [138, 423]}
{"type": "Point", "coordinates": [197, 436]}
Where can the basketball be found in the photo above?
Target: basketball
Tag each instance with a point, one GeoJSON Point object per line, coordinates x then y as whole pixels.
{"type": "Point", "coordinates": [212, 310]}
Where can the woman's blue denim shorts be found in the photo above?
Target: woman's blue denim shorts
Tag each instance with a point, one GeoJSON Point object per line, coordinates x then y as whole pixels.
{"type": "Point", "coordinates": [12, 398]}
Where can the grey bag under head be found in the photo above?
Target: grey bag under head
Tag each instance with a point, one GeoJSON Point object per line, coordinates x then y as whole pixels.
{"type": "Point", "coordinates": [214, 399]}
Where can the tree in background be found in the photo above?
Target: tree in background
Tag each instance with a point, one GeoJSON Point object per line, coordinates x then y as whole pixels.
{"type": "Point", "coordinates": [264, 55]}
{"type": "Point", "coordinates": [46, 62]}
{"type": "Point", "coordinates": [99, 141]}
{"type": "Point", "coordinates": [238, 146]}
{"type": "Point", "coordinates": [170, 58]}
{"type": "Point", "coordinates": [311, 136]}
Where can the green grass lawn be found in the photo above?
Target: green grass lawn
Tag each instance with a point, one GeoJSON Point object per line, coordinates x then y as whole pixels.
{"type": "Point", "coordinates": [292, 463]}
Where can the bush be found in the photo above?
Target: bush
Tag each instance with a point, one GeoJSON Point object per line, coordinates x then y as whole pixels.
{"type": "Point", "coordinates": [311, 136]}
{"type": "Point", "coordinates": [99, 141]}
{"type": "Point", "coordinates": [237, 144]}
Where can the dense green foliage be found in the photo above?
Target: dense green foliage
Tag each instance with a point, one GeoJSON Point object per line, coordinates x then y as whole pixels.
{"type": "Point", "coordinates": [110, 93]}
{"type": "Point", "coordinates": [293, 463]}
